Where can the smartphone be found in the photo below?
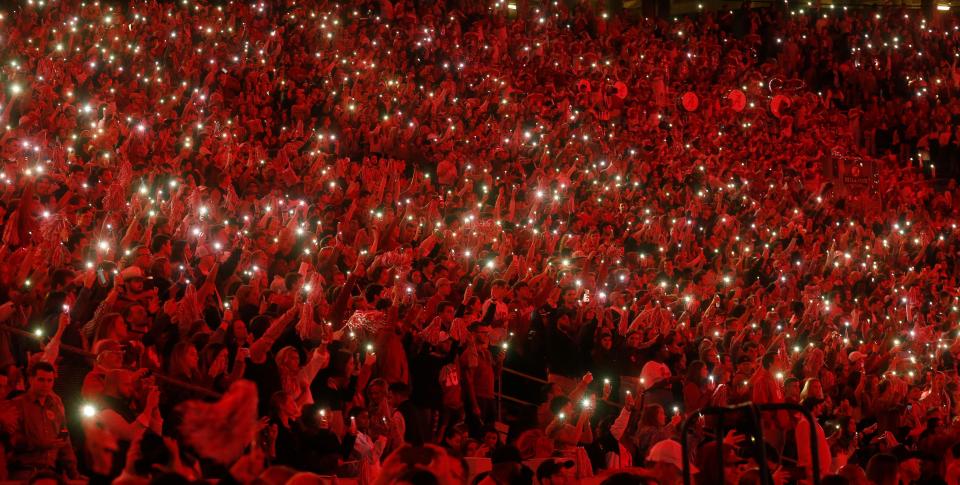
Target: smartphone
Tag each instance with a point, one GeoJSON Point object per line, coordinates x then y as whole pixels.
{"type": "Point", "coordinates": [102, 277]}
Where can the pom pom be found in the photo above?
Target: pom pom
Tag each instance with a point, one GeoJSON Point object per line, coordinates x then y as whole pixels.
{"type": "Point", "coordinates": [220, 431]}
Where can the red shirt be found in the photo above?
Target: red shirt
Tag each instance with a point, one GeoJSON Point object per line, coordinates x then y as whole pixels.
{"type": "Point", "coordinates": [479, 363]}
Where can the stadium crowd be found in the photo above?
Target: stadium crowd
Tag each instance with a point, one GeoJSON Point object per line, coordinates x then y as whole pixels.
{"type": "Point", "coordinates": [264, 242]}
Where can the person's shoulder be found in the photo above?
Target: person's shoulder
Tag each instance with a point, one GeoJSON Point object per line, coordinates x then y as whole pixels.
{"type": "Point", "coordinates": [17, 400]}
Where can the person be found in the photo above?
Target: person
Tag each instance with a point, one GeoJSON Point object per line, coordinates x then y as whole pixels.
{"type": "Point", "coordinates": [453, 439]}
{"type": "Point", "coordinates": [555, 472]}
{"type": "Point", "coordinates": [406, 465]}
{"type": "Point", "coordinates": [653, 428]}
{"type": "Point", "coordinates": [507, 467]}
{"type": "Point", "coordinates": [399, 396]}
{"type": "Point", "coordinates": [37, 424]}
{"type": "Point", "coordinates": [116, 422]}
{"type": "Point", "coordinates": [882, 469]}
{"type": "Point", "coordinates": [478, 365]}
{"type": "Point", "coordinates": [802, 437]}
{"type": "Point", "coordinates": [696, 393]}
{"type": "Point", "coordinates": [667, 462]}
{"type": "Point", "coordinates": [109, 356]}
{"type": "Point", "coordinates": [46, 478]}
{"type": "Point", "coordinates": [365, 449]}
{"type": "Point", "coordinates": [362, 178]}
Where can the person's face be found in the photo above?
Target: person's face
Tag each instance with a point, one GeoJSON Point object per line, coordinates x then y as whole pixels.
{"type": "Point", "coordinates": [472, 449]}
{"type": "Point", "coordinates": [456, 441]}
{"type": "Point", "coordinates": [703, 373]}
{"type": "Point", "coordinates": [240, 331]}
{"type": "Point", "coordinates": [633, 340]}
{"type": "Point", "coordinates": [490, 439]}
{"type": "Point", "coordinates": [607, 343]}
{"type": "Point", "coordinates": [44, 186]}
{"type": "Point", "coordinates": [42, 383]}
{"type": "Point", "coordinates": [135, 286]}
{"type": "Point", "coordinates": [569, 297]}
{"type": "Point", "coordinates": [363, 420]}
{"type": "Point", "coordinates": [377, 392]}
{"type": "Point", "coordinates": [290, 361]}
{"type": "Point", "coordinates": [448, 314]}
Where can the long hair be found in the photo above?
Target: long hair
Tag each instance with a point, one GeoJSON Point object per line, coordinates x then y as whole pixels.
{"type": "Point", "coordinates": [177, 365]}
{"type": "Point", "coordinates": [693, 373]}
{"type": "Point", "coordinates": [282, 354]}
{"type": "Point", "coordinates": [650, 414]}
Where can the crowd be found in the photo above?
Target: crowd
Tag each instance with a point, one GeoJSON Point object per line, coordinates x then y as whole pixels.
{"type": "Point", "coordinates": [264, 242]}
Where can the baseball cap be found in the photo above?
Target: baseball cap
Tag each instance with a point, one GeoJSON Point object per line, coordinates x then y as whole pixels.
{"type": "Point", "coordinates": [131, 273]}
{"type": "Point", "coordinates": [551, 467]}
{"type": "Point", "coordinates": [654, 372]}
{"type": "Point", "coordinates": [668, 451]}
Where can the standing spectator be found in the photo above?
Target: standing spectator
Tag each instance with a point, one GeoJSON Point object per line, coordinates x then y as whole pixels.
{"type": "Point", "coordinates": [36, 422]}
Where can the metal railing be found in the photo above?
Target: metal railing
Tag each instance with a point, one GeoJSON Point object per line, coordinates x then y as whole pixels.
{"type": "Point", "coordinates": [501, 396]}
{"type": "Point", "coordinates": [752, 410]}
{"type": "Point", "coordinates": [91, 357]}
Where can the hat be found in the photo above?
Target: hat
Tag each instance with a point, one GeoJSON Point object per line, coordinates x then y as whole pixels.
{"type": "Point", "coordinates": [551, 467]}
{"type": "Point", "coordinates": [668, 451]}
{"type": "Point", "coordinates": [505, 454]}
{"type": "Point", "coordinates": [654, 372]}
{"type": "Point", "coordinates": [131, 273]}
{"type": "Point", "coordinates": [856, 356]}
